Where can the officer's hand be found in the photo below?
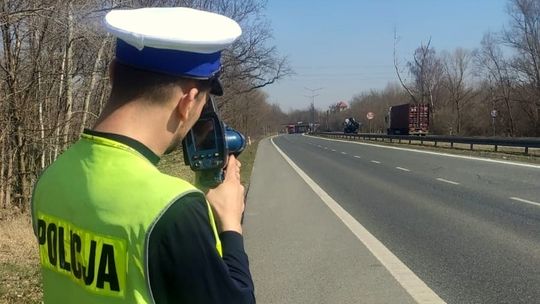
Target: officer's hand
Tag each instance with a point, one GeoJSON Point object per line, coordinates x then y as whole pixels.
{"type": "Point", "coordinates": [227, 199]}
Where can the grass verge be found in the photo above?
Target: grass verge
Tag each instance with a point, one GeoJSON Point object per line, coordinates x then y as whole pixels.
{"type": "Point", "coordinates": [247, 158]}
{"type": "Point", "coordinates": [20, 276]}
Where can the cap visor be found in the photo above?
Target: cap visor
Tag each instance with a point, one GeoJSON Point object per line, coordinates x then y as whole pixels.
{"type": "Point", "coordinates": [216, 87]}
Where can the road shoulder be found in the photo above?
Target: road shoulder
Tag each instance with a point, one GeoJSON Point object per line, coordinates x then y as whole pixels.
{"type": "Point", "coordinates": [299, 250]}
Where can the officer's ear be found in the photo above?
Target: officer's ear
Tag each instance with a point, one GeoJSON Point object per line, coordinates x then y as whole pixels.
{"type": "Point", "coordinates": [187, 102]}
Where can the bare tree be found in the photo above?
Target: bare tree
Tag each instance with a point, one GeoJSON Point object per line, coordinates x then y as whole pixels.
{"type": "Point", "coordinates": [456, 68]}
{"type": "Point", "coordinates": [251, 64]}
{"type": "Point", "coordinates": [399, 71]}
{"type": "Point", "coordinates": [496, 70]}
{"type": "Point", "coordinates": [93, 82]}
{"type": "Point", "coordinates": [426, 71]}
{"type": "Point", "coordinates": [54, 81]}
{"type": "Point", "coordinates": [523, 35]}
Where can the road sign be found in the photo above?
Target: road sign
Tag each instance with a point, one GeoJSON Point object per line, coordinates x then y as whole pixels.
{"type": "Point", "coordinates": [370, 115]}
{"type": "Point", "coordinates": [493, 113]}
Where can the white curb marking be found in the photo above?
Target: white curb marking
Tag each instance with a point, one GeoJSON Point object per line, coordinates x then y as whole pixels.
{"type": "Point", "coordinates": [403, 169]}
{"type": "Point", "coordinates": [447, 181]}
{"type": "Point", "coordinates": [525, 201]}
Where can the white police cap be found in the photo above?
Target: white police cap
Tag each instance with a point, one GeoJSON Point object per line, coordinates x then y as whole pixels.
{"type": "Point", "coordinates": [176, 41]}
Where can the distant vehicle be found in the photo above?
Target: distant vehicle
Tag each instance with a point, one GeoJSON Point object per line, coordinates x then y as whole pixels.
{"type": "Point", "coordinates": [290, 129]}
{"type": "Point", "coordinates": [298, 128]}
{"type": "Point", "coordinates": [351, 125]}
{"type": "Point", "coordinates": [408, 119]}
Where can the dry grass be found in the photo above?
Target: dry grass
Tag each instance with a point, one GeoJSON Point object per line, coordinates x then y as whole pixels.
{"type": "Point", "coordinates": [173, 164]}
{"type": "Point", "coordinates": [20, 276]}
{"type": "Point", "coordinates": [247, 158]}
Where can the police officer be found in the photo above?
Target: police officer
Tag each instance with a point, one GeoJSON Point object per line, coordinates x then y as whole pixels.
{"type": "Point", "coordinates": [111, 228]}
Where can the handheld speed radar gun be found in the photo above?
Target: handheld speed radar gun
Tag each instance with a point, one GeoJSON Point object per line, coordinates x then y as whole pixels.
{"type": "Point", "coordinates": [208, 144]}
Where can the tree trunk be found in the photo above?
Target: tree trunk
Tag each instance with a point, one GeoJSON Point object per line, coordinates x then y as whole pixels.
{"type": "Point", "coordinates": [458, 122]}
{"type": "Point", "coordinates": [9, 175]}
{"type": "Point", "coordinates": [41, 124]}
{"type": "Point", "coordinates": [22, 174]}
{"type": "Point", "coordinates": [69, 68]}
{"type": "Point", "coordinates": [91, 88]}
{"type": "Point", "coordinates": [431, 110]}
{"type": "Point", "coordinates": [63, 73]}
{"type": "Point", "coordinates": [2, 171]}
{"type": "Point", "coordinates": [507, 102]}
{"type": "Point", "coordinates": [538, 121]}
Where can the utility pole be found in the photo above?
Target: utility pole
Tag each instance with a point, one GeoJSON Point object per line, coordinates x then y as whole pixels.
{"type": "Point", "coordinates": [312, 96]}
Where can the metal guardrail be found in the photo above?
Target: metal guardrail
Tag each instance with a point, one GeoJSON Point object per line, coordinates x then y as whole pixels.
{"type": "Point", "coordinates": [496, 142]}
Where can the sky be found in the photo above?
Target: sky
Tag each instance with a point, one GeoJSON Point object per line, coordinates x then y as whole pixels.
{"type": "Point", "coordinates": [341, 48]}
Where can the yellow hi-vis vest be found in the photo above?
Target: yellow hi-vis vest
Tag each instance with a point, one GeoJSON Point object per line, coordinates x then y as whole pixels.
{"type": "Point", "coordinates": [93, 211]}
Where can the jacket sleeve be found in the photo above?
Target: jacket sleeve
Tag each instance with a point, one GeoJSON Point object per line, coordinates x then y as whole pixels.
{"type": "Point", "coordinates": [184, 265]}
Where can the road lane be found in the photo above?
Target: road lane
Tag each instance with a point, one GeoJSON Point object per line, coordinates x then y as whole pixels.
{"type": "Point", "coordinates": [469, 241]}
{"type": "Point", "coordinates": [486, 175]}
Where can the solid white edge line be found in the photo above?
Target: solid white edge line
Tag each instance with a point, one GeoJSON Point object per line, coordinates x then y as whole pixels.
{"type": "Point", "coordinates": [408, 279]}
{"type": "Point", "coordinates": [435, 153]}
{"type": "Point", "coordinates": [524, 201]}
{"type": "Point", "coordinates": [447, 181]}
{"type": "Point", "coordinates": [403, 169]}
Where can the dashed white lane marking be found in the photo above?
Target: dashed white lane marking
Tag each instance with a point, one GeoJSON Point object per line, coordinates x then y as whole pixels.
{"type": "Point", "coordinates": [333, 150]}
{"type": "Point", "coordinates": [403, 169]}
{"type": "Point", "coordinates": [344, 153]}
{"type": "Point", "coordinates": [403, 274]}
{"type": "Point", "coordinates": [433, 153]}
{"type": "Point", "coordinates": [356, 156]}
{"type": "Point", "coordinates": [525, 201]}
{"type": "Point", "coordinates": [447, 181]}
{"type": "Point", "coordinates": [375, 161]}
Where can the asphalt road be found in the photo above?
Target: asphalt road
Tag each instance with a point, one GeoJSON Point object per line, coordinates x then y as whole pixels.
{"type": "Point", "coordinates": [299, 251]}
{"type": "Point", "coordinates": [469, 229]}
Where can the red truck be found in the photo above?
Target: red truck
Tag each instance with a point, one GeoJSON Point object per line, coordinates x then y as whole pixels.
{"type": "Point", "coordinates": [408, 119]}
{"type": "Point", "coordinates": [298, 128]}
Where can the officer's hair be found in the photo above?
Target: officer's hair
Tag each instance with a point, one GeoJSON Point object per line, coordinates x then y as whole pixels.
{"type": "Point", "coordinates": [129, 83]}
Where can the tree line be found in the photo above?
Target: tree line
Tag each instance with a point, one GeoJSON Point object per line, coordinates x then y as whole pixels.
{"type": "Point", "coordinates": [54, 60]}
{"type": "Point", "coordinates": [463, 87]}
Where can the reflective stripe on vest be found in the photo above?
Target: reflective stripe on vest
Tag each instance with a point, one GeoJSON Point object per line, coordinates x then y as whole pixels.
{"type": "Point", "coordinates": [93, 211]}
